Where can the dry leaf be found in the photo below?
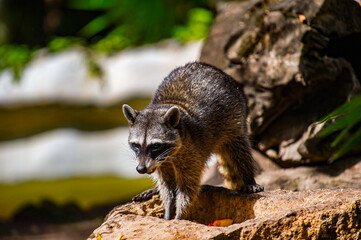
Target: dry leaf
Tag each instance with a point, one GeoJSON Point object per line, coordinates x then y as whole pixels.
{"type": "Point", "coordinates": [99, 236]}
{"type": "Point", "coordinates": [221, 223]}
{"type": "Point", "coordinates": [302, 18]}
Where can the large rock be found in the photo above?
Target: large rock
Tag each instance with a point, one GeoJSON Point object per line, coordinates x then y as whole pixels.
{"type": "Point", "coordinates": [320, 214]}
{"type": "Point", "coordinates": [345, 173]}
{"type": "Point", "coordinates": [298, 61]}
{"type": "Point", "coordinates": [340, 174]}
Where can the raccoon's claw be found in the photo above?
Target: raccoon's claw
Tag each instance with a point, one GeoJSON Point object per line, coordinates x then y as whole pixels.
{"type": "Point", "coordinates": [146, 195]}
{"type": "Point", "coordinates": [252, 188]}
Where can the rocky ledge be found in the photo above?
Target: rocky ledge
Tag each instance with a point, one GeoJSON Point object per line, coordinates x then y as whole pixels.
{"type": "Point", "coordinates": [318, 214]}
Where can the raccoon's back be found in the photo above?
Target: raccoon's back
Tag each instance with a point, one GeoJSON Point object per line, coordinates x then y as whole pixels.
{"type": "Point", "coordinates": [203, 91]}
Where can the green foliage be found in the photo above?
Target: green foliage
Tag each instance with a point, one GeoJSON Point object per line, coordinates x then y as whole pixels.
{"type": "Point", "coordinates": [93, 67]}
{"type": "Point", "coordinates": [136, 22]}
{"type": "Point", "coordinates": [140, 21]}
{"type": "Point", "coordinates": [92, 4]}
{"type": "Point", "coordinates": [60, 43]}
{"type": "Point", "coordinates": [119, 24]}
{"type": "Point", "coordinates": [15, 57]}
{"type": "Point", "coordinates": [198, 24]}
{"type": "Point", "coordinates": [112, 43]}
{"type": "Point", "coordinates": [347, 121]}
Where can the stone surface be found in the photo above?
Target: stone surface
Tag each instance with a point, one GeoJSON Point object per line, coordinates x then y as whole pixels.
{"type": "Point", "coordinates": [345, 173]}
{"type": "Point", "coordinates": [294, 72]}
{"type": "Point", "coordinates": [310, 213]}
{"type": "Point", "coordinates": [320, 214]}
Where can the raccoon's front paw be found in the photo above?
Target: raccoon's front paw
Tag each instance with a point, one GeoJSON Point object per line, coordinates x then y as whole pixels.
{"type": "Point", "coordinates": [146, 195]}
{"type": "Point", "coordinates": [252, 188]}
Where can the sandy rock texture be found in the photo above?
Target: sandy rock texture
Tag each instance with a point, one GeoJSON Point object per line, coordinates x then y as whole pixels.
{"type": "Point", "coordinates": [298, 60]}
{"type": "Point", "coordinates": [345, 173]}
{"type": "Point", "coordinates": [280, 214]}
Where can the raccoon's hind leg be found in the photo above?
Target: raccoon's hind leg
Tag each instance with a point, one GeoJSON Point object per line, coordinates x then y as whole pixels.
{"type": "Point", "coordinates": [237, 165]}
{"type": "Point", "coordinates": [146, 195]}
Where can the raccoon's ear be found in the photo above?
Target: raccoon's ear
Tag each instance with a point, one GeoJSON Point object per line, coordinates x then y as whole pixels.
{"type": "Point", "coordinates": [172, 116]}
{"type": "Point", "coordinates": [129, 113]}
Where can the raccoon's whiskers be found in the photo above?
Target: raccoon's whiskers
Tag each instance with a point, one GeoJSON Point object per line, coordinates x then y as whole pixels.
{"type": "Point", "coordinates": [164, 154]}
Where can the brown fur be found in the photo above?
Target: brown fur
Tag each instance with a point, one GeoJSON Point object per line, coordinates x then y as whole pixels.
{"type": "Point", "coordinates": [197, 110]}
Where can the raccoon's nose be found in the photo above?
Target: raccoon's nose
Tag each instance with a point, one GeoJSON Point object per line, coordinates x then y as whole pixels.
{"type": "Point", "coordinates": [141, 169]}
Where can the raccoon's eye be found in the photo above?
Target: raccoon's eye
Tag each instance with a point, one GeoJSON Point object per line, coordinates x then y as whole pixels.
{"type": "Point", "coordinates": [135, 147]}
{"type": "Point", "coordinates": [155, 147]}
{"type": "Point", "coordinates": [159, 151]}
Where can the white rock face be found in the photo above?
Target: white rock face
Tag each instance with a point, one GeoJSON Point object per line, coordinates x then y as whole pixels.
{"type": "Point", "coordinates": [67, 152]}
{"type": "Point", "coordinates": [63, 153]}
{"type": "Point", "coordinates": [64, 76]}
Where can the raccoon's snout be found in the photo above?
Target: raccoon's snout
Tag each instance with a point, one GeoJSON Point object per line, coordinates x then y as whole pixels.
{"type": "Point", "coordinates": [142, 169]}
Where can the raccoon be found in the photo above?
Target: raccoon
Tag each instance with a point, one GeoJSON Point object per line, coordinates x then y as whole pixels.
{"type": "Point", "coordinates": [198, 110]}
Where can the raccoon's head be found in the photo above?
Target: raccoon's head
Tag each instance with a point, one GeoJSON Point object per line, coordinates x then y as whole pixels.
{"type": "Point", "coordinates": [153, 135]}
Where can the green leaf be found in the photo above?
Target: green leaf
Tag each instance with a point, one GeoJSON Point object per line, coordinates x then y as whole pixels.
{"type": "Point", "coordinates": [354, 140]}
{"type": "Point", "coordinates": [15, 58]}
{"type": "Point", "coordinates": [340, 136]}
{"type": "Point", "coordinates": [95, 26]}
{"type": "Point", "coordinates": [197, 27]}
{"type": "Point", "coordinates": [355, 102]}
{"type": "Point", "coordinates": [112, 43]}
{"type": "Point", "coordinates": [60, 43]}
{"type": "Point", "coordinates": [347, 117]}
{"type": "Point", "coordinates": [91, 4]}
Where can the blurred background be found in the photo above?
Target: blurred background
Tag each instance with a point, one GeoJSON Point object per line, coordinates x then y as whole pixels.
{"type": "Point", "coordinates": [66, 68]}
